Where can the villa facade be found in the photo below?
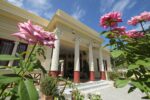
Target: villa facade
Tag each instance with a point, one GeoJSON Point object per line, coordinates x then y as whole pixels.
{"type": "Point", "coordinates": [78, 53]}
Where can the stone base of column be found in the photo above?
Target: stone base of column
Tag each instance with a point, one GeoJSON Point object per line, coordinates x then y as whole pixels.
{"type": "Point", "coordinates": [102, 75]}
{"type": "Point", "coordinates": [76, 76]}
{"type": "Point", "coordinates": [53, 73]}
{"type": "Point", "coordinates": [92, 76]}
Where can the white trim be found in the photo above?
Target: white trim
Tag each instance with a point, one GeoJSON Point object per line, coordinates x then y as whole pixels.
{"type": "Point", "coordinates": [13, 53]}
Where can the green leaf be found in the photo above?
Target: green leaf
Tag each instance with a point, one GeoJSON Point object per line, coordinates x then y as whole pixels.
{"type": "Point", "coordinates": [103, 32]}
{"type": "Point", "coordinates": [9, 78]}
{"type": "Point", "coordinates": [3, 67]}
{"type": "Point", "coordinates": [146, 97]}
{"type": "Point", "coordinates": [131, 89]}
{"type": "Point", "coordinates": [129, 73]}
{"type": "Point", "coordinates": [142, 62]}
{"type": "Point", "coordinates": [22, 91]}
{"type": "Point", "coordinates": [121, 83]}
{"type": "Point", "coordinates": [8, 58]}
{"type": "Point", "coordinates": [138, 85]}
{"type": "Point", "coordinates": [116, 53]}
{"type": "Point", "coordinates": [132, 66]}
{"type": "Point", "coordinates": [27, 90]}
{"type": "Point", "coordinates": [33, 94]}
{"type": "Point", "coordinates": [16, 69]}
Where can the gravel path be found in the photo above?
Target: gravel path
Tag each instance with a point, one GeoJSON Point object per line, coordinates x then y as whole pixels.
{"type": "Point", "coordinates": [112, 93]}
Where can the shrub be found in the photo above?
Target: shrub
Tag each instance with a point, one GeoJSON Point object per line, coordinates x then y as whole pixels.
{"type": "Point", "coordinates": [49, 86]}
{"type": "Point", "coordinates": [77, 95]}
{"type": "Point", "coordinates": [113, 75]}
{"type": "Point", "coordinates": [94, 96]}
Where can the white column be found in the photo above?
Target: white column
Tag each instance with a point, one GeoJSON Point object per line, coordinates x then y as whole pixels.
{"type": "Point", "coordinates": [47, 61]}
{"type": "Point", "coordinates": [101, 59]}
{"type": "Point", "coordinates": [77, 55]}
{"type": "Point", "coordinates": [102, 70]}
{"type": "Point", "coordinates": [13, 52]}
{"type": "Point", "coordinates": [91, 61]}
{"type": "Point", "coordinates": [77, 60]}
{"type": "Point", "coordinates": [55, 55]}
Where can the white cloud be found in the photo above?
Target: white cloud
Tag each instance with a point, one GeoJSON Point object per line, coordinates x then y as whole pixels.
{"type": "Point", "coordinates": [132, 4]}
{"type": "Point", "coordinates": [48, 14]}
{"type": "Point", "coordinates": [18, 3]}
{"type": "Point", "coordinates": [121, 5]}
{"type": "Point", "coordinates": [116, 5]}
{"type": "Point", "coordinates": [38, 7]}
{"type": "Point", "coordinates": [105, 5]}
{"type": "Point", "coordinates": [39, 4]}
{"type": "Point", "coordinates": [78, 13]}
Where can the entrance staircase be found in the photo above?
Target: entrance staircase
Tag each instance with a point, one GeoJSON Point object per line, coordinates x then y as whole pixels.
{"type": "Point", "coordinates": [88, 88]}
{"type": "Point", "coordinates": [92, 86]}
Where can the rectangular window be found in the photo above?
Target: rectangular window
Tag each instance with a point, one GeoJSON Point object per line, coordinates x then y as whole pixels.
{"type": "Point", "coordinates": [6, 47]}
{"type": "Point", "coordinates": [21, 48]}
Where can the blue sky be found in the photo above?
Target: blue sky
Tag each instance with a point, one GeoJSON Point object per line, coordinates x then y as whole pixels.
{"type": "Point", "coordinates": [87, 11]}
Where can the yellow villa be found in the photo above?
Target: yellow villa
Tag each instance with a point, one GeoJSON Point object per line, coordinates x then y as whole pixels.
{"type": "Point", "coordinates": [78, 52]}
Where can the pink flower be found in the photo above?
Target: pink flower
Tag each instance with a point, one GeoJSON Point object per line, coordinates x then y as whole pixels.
{"type": "Point", "coordinates": [143, 17]}
{"type": "Point", "coordinates": [110, 19]}
{"type": "Point", "coordinates": [119, 30]}
{"type": "Point", "coordinates": [134, 34]}
{"type": "Point", "coordinates": [34, 34]}
{"type": "Point", "coordinates": [135, 20]}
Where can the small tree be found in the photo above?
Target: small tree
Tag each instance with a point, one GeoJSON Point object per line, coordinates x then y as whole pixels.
{"type": "Point", "coordinates": [131, 49]}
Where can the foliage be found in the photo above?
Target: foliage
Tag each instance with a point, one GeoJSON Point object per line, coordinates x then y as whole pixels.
{"type": "Point", "coordinates": [77, 95]}
{"type": "Point", "coordinates": [48, 86]}
{"type": "Point", "coordinates": [132, 49]}
{"type": "Point", "coordinates": [113, 75]}
{"type": "Point", "coordinates": [21, 80]}
{"type": "Point", "coordinates": [94, 97]}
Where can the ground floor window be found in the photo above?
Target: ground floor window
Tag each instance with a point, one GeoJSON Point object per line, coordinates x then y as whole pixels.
{"type": "Point", "coordinates": [21, 48]}
{"type": "Point", "coordinates": [6, 47]}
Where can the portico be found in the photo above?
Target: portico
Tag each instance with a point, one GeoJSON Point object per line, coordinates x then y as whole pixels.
{"type": "Point", "coordinates": [78, 53]}
{"type": "Point", "coordinates": [75, 46]}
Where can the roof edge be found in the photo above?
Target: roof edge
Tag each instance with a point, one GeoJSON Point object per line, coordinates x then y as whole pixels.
{"type": "Point", "coordinates": [17, 11]}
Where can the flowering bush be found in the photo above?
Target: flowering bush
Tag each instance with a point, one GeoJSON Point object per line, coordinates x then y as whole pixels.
{"type": "Point", "coordinates": [34, 34]}
{"type": "Point", "coordinates": [110, 19]}
{"type": "Point", "coordinates": [130, 49]}
{"type": "Point", "coordinates": [143, 17]}
{"type": "Point", "coordinates": [134, 34]}
{"type": "Point", "coordinates": [21, 80]}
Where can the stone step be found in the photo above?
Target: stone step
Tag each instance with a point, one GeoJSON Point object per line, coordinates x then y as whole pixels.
{"type": "Point", "coordinates": [94, 89]}
{"type": "Point", "coordinates": [89, 83]}
{"type": "Point", "coordinates": [92, 85]}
